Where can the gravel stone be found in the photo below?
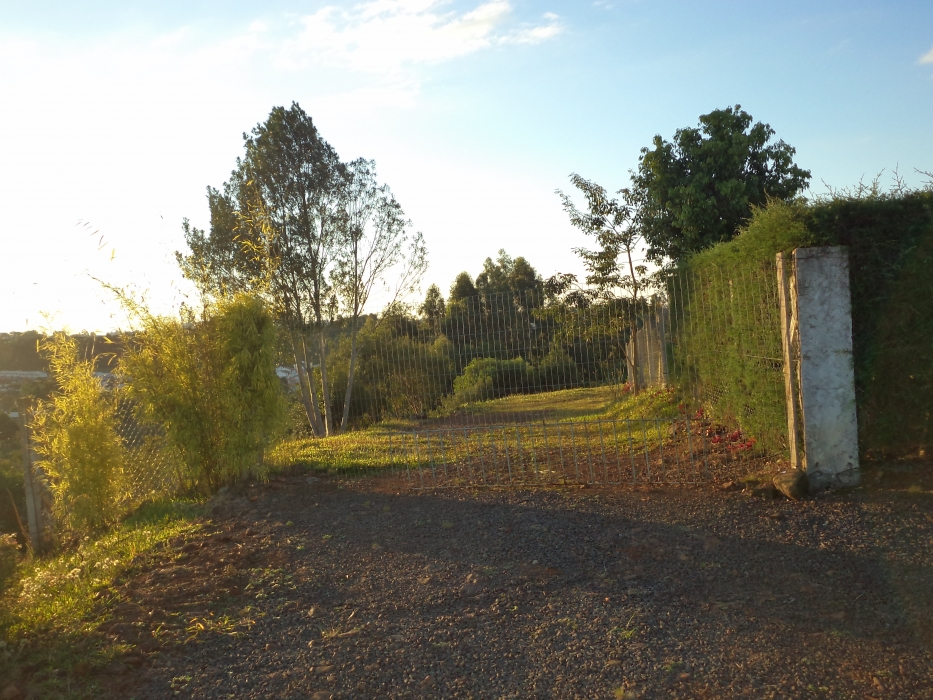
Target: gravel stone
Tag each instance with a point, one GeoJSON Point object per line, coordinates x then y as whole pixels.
{"type": "Point", "coordinates": [564, 593]}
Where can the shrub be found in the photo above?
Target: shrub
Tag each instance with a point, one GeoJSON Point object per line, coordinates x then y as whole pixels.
{"type": "Point", "coordinates": [75, 436]}
{"type": "Point", "coordinates": [488, 378]}
{"type": "Point", "coordinates": [726, 314]}
{"type": "Point", "coordinates": [890, 242]}
{"type": "Point", "coordinates": [9, 557]}
{"type": "Point", "coordinates": [211, 383]}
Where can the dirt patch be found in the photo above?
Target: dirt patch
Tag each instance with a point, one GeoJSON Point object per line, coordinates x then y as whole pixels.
{"type": "Point", "coordinates": [308, 590]}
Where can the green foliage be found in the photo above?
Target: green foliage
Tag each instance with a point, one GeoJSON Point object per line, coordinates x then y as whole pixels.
{"type": "Point", "coordinates": [616, 226]}
{"type": "Point", "coordinates": [433, 309]}
{"type": "Point", "coordinates": [730, 357]}
{"type": "Point", "coordinates": [462, 288]}
{"type": "Point", "coordinates": [894, 371]}
{"type": "Point", "coordinates": [211, 383]}
{"type": "Point", "coordinates": [402, 370]}
{"type": "Point", "coordinates": [488, 378]}
{"type": "Point", "coordinates": [12, 495]}
{"type": "Point", "coordinates": [506, 275]}
{"type": "Point", "coordinates": [890, 242]}
{"type": "Point", "coordinates": [9, 558]}
{"type": "Point", "coordinates": [54, 604]}
{"type": "Point", "coordinates": [74, 433]}
{"type": "Point", "coordinates": [702, 186]}
{"type": "Point", "coordinates": [890, 239]}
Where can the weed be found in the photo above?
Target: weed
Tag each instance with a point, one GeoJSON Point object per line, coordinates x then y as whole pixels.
{"type": "Point", "coordinates": [626, 632]}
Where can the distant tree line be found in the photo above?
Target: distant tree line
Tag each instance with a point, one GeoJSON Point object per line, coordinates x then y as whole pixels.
{"type": "Point", "coordinates": [20, 351]}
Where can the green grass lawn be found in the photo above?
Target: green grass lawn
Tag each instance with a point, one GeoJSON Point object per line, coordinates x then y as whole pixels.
{"type": "Point", "coordinates": [407, 444]}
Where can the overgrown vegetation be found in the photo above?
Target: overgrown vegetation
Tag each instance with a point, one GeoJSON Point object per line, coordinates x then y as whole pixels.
{"type": "Point", "coordinates": [890, 241]}
{"type": "Point", "coordinates": [210, 382]}
{"type": "Point", "coordinates": [53, 604]}
{"type": "Point", "coordinates": [730, 358]}
{"type": "Point", "coordinates": [75, 434]}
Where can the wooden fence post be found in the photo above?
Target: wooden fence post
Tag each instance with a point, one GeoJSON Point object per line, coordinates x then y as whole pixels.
{"type": "Point", "coordinates": [787, 344]}
{"type": "Point", "coordinates": [33, 494]}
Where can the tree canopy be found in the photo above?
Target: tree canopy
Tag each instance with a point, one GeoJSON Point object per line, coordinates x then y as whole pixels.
{"type": "Point", "coordinates": [507, 274]}
{"type": "Point", "coordinates": [462, 288]}
{"type": "Point", "coordinates": [312, 234]}
{"type": "Point", "coordinates": [701, 186]}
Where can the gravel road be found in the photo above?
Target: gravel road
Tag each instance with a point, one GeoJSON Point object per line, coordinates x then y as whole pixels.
{"type": "Point", "coordinates": [303, 589]}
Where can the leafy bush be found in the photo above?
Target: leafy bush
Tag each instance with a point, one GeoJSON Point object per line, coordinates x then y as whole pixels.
{"type": "Point", "coordinates": [488, 378]}
{"type": "Point", "coordinates": [9, 557]}
{"type": "Point", "coordinates": [75, 436]}
{"type": "Point", "coordinates": [556, 371]}
{"type": "Point", "coordinates": [211, 383]}
{"type": "Point", "coordinates": [890, 241]}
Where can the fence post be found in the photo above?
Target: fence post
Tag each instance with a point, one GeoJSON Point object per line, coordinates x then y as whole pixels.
{"type": "Point", "coordinates": [787, 326]}
{"type": "Point", "coordinates": [826, 374]}
{"type": "Point", "coordinates": [33, 496]}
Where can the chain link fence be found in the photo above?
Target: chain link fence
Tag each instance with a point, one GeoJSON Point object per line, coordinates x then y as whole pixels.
{"type": "Point", "coordinates": [150, 468]}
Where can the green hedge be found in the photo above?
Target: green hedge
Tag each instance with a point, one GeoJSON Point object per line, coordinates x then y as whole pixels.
{"type": "Point", "coordinates": [890, 240]}
{"type": "Point", "coordinates": [725, 318]}
{"type": "Point", "coordinates": [724, 360]}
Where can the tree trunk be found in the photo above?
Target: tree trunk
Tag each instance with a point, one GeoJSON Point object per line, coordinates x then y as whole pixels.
{"type": "Point", "coordinates": [306, 387]}
{"type": "Point", "coordinates": [346, 401]}
{"type": "Point", "coordinates": [325, 386]}
{"type": "Point", "coordinates": [634, 322]}
{"type": "Point", "coordinates": [634, 359]}
{"type": "Point", "coordinates": [317, 406]}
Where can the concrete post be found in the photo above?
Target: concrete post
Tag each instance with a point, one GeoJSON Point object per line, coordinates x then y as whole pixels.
{"type": "Point", "coordinates": [826, 376]}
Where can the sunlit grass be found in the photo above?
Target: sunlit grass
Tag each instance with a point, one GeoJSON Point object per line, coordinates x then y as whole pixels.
{"type": "Point", "coordinates": [370, 448]}
{"type": "Point", "coordinates": [566, 404]}
{"type": "Point", "coordinates": [563, 424]}
{"type": "Point", "coordinates": [49, 611]}
{"type": "Point", "coordinates": [58, 592]}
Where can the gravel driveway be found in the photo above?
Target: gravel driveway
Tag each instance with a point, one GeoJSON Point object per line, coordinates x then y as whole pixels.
{"type": "Point", "coordinates": [302, 589]}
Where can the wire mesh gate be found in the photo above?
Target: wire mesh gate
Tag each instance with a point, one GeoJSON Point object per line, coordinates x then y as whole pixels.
{"type": "Point", "coordinates": [682, 386]}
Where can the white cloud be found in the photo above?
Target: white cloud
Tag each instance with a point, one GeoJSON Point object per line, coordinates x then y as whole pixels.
{"type": "Point", "coordinates": [534, 35]}
{"type": "Point", "coordinates": [387, 36]}
{"type": "Point", "coordinates": [927, 57]}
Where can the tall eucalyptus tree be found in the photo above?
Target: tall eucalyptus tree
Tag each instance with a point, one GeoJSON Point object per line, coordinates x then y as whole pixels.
{"type": "Point", "coordinates": [374, 241]}
{"type": "Point", "coordinates": [274, 229]}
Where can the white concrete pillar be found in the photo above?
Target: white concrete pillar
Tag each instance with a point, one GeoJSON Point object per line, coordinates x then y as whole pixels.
{"type": "Point", "coordinates": [826, 376]}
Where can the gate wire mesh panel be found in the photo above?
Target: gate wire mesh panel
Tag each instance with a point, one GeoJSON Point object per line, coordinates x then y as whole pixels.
{"type": "Point", "coordinates": [523, 389]}
{"type": "Point", "coordinates": [727, 361]}
{"type": "Point", "coordinates": [150, 470]}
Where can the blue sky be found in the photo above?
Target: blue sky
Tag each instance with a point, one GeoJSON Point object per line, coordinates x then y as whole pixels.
{"type": "Point", "coordinates": [118, 115]}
